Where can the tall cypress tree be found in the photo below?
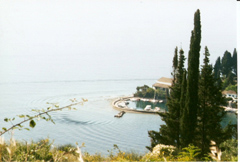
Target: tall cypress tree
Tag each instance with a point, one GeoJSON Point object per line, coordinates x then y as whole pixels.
{"type": "Point", "coordinates": [189, 117]}
{"type": "Point", "coordinates": [217, 67]}
{"type": "Point", "coordinates": [183, 95]}
{"type": "Point", "coordinates": [175, 62]}
{"type": "Point", "coordinates": [209, 113]}
{"type": "Point", "coordinates": [169, 133]}
{"type": "Point", "coordinates": [234, 61]}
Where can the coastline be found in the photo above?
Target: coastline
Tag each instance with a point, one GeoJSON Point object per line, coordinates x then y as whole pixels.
{"type": "Point", "coordinates": [126, 98]}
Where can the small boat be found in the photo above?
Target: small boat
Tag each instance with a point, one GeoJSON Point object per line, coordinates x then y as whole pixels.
{"type": "Point", "coordinates": [148, 107]}
{"type": "Point", "coordinates": [157, 109]}
{"type": "Point", "coordinates": [121, 104]}
{"type": "Point", "coordinates": [126, 102]}
{"type": "Point", "coordinates": [120, 114]}
{"type": "Point", "coordinates": [144, 99]}
{"type": "Point", "coordinates": [153, 101]}
{"type": "Point", "coordinates": [160, 101]}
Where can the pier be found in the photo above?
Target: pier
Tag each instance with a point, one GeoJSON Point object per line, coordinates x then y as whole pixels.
{"type": "Point", "coordinates": [121, 105]}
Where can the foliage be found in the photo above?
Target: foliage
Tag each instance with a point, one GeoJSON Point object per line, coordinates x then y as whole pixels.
{"type": "Point", "coordinates": [229, 150]}
{"type": "Point", "coordinates": [41, 114]}
{"type": "Point", "coordinates": [210, 114]}
{"type": "Point", "coordinates": [225, 70]}
{"type": "Point", "coordinates": [175, 62]}
{"type": "Point", "coordinates": [217, 68]}
{"type": "Point", "coordinates": [147, 92]}
{"type": "Point", "coordinates": [189, 153]}
{"type": "Point", "coordinates": [42, 150]}
{"type": "Point", "coordinates": [169, 133]}
{"type": "Point", "coordinates": [191, 104]}
{"type": "Point", "coordinates": [194, 107]}
{"type": "Point", "coordinates": [234, 61]}
{"type": "Point", "coordinates": [226, 63]}
{"type": "Point", "coordinates": [232, 87]}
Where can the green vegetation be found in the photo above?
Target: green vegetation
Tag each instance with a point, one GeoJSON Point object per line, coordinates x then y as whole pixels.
{"type": "Point", "coordinates": [41, 114]}
{"type": "Point", "coordinates": [45, 150]}
{"type": "Point", "coordinates": [230, 150]}
{"type": "Point", "coordinates": [169, 133]}
{"type": "Point", "coordinates": [195, 113]}
{"type": "Point", "coordinates": [189, 117]}
{"type": "Point", "coordinates": [147, 92]}
{"type": "Point", "coordinates": [226, 70]}
{"type": "Point", "coordinates": [192, 129]}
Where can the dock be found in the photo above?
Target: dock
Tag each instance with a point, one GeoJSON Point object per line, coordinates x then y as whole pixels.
{"type": "Point", "coordinates": [120, 114]}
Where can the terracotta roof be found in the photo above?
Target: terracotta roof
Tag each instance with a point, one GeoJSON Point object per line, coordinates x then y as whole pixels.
{"type": "Point", "coordinates": [167, 80]}
{"type": "Point", "coordinates": [163, 82]}
{"type": "Point", "coordinates": [161, 85]}
{"type": "Point", "coordinates": [229, 92]}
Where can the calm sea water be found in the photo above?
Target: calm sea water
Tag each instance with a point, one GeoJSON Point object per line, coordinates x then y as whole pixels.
{"type": "Point", "coordinates": [53, 51]}
{"type": "Point", "coordinates": [93, 123]}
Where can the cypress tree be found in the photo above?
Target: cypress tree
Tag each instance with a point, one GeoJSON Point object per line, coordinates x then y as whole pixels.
{"type": "Point", "coordinates": [175, 62]}
{"type": "Point", "coordinates": [183, 93]}
{"type": "Point", "coordinates": [226, 63]}
{"type": "Point", "coordinates": [169, 133]}
{"type": "Point", "coordinates": [189, 117]}
{"type": "Point", "coordinates": [217, 67]}
{"type": "Point", "coordinates": [209, 113]}
{"type": "Point", "coordinates": [234, 61]}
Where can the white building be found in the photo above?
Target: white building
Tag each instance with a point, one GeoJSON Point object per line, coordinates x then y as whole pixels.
{"type": "Point", "coordinates": [230, 93]}
{"type": "Point", "coordinates": [164, 84]}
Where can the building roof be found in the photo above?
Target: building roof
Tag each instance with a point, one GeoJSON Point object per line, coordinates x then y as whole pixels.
{"type": "Point", "coordinates": [229, 92]}
{"type": "Point", "coordinates": [163, 82]}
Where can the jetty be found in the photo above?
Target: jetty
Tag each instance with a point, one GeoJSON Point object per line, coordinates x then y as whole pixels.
{"type": "Point", "coordinates": [121, 105]}
{"type": "Point", "coordinates": [120, 114]}
{"type": "Point", "coordinates": [229, 109]}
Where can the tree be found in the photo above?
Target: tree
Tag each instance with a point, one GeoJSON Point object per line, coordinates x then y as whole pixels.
{"type": "Point", "coordinates": [169, 133]}
{"type": "Point", "coordinates": [234, 61]}
{"type": "Point", "coordinates": [183, 92]}
{"type": "Point", "coordinates": [226, 63]}
{"type": "Point", "coordinates": [217, 68]}
{"type": "Point", "coordinates": [175, 61]}
{"type": "Point", "coordinates": [209, 113]}
{"type": "Point", "coordinates": [229, 80]}
{"type": "Point", "coordinates": [189, 117]}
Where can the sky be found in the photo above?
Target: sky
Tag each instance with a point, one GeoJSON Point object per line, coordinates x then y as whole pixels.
{"type": "Point", "coordinates": [106, 32]}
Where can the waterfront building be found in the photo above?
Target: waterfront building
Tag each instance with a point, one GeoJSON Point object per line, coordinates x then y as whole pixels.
{"type": "Point", "coordinates": [230, 93]}
{"type": "Point", "coordinates": [164, 84]}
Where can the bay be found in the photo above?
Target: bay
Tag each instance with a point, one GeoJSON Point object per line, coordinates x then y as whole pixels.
{"type": "Point", "coordinates": [53, 51]}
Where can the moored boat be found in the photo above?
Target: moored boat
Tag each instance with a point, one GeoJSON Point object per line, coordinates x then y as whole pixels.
{"type": "Point", "coordinates": [148, 107]}
{"type": "Point", "coordinates": [154, 101]}
{"type": "Point", "coordinates": [157, 109]}
{"type": "Point", "coordinates": [160, 101]}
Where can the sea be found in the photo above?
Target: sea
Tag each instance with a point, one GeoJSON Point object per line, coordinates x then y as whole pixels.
{"type": "Point", "coordinates": [55, 51]}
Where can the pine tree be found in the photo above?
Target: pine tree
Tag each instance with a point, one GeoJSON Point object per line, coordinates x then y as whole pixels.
{"type": "Point", "coordinates": [189, 117]}
{"type": "Point", "coordinates": [209, 113]}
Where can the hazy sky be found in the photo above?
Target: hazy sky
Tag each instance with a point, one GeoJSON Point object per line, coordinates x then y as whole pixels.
{"type": "Point", "coordinates": [141, 30]}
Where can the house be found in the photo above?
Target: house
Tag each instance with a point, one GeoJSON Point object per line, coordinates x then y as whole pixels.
{"type": "Point", "coordinates": [164, 84]}
{"type": "Point", "coordinates": [230, 93]}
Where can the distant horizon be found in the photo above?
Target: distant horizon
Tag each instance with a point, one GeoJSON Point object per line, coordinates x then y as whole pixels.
{"type": "Point", "coordinates": [101, 39]}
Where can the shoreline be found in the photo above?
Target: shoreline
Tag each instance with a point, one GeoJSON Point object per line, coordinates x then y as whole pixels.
{"type": "Point", "coordinates": [116, 107]}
